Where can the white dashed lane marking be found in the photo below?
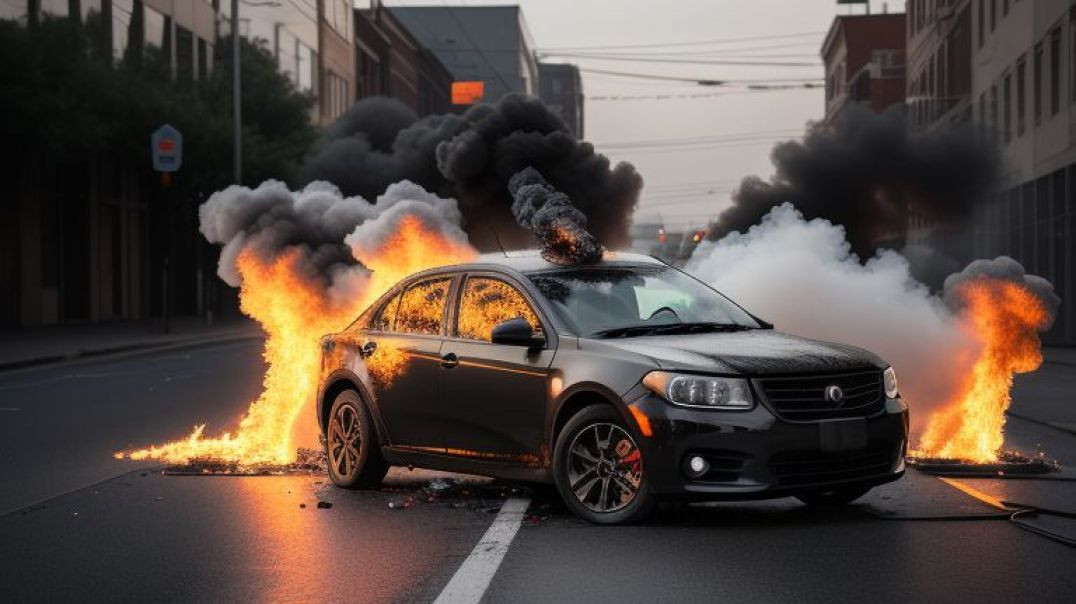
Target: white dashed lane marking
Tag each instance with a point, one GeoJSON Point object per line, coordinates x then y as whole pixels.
{"type": "Point", "coordinates": [473, 577]}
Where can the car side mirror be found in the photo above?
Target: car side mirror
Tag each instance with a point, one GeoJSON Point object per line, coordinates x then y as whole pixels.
{"type": "Point", "coordinates": [516, 332]}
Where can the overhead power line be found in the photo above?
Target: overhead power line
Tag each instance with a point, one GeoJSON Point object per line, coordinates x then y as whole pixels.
{"type": "Point", "coordinates": [685, 61]}
{"type": "Point", "coordinates": [703, 81]}
{"type": "Point", "coordinates": [680, 44]}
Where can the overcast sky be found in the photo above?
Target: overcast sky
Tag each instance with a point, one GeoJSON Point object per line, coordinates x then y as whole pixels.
{"type": "Point", "coordinates": [687, 183]}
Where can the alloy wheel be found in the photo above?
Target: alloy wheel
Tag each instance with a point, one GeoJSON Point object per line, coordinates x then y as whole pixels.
{"type": "Point", "coordinates": [344, 440]}
{"type": "Point", "coordinates": [604, 467]}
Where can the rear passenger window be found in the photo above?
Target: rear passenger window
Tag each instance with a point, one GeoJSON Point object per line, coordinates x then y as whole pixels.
{"type": "Point", "coordinates": [422, 307]}
{"type": "Point", "coordinates": [487, 302]}
{"type": "Point", "coordinates": [387, 315]}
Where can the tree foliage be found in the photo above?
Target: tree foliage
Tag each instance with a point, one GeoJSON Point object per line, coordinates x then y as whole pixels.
{"type": "Point", "coordinates": [66, 98]}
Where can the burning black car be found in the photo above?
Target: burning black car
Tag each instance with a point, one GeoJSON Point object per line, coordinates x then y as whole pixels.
{"type": "Point", "coordinates": [621, 381]}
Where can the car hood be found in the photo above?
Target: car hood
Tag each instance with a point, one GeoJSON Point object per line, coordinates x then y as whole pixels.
{"type": "Point", "coordinates": [754, 352]}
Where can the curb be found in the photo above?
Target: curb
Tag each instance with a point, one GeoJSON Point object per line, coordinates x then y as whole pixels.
{"type": "Point", "coordinates": [119, 350]}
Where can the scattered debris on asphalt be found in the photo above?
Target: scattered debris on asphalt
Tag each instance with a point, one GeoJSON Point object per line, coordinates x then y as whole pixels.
{"type": "Point", "coordinates": [1009, 463]}
{"type": "Point", "coordinates": [324, 505]}
{"type": "Point", "coordinates": [307, 461]}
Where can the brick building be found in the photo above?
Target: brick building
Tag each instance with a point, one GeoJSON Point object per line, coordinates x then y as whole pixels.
{"type": "Point", "coordinates": [864, 62]}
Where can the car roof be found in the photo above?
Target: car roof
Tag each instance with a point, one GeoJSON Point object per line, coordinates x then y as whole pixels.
{"type": "Point", "coordinates": [526, 261]}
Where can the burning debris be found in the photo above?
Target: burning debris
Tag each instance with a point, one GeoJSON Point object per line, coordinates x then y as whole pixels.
{"type": "Point", "coordinates": [306, 263]}
{"type": "Point", "coordinates": [307, 461]}
{"type": "Point", "coordinates": [955, 354]}
{"type": "Point", "coordinates": [1004, 309]}
{"type": "Point", "coordinates": [1007, 463]}
{"type": "Point", "coordinates": [555, 221]}
{"type": "Point", "coordinates": [471, 157]}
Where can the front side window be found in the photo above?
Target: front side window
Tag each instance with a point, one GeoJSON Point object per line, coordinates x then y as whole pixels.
{"type": "Point", "coordinates": [386, 316]}
{"type": "Point", "coordinates": [422, 307]}
{"type": "Point", "coordinates": [638, 301]}
{"type": "Point", "coordinates": [487, 302]}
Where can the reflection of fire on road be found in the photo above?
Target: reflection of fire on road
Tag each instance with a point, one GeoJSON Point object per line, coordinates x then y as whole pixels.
{"type": "Point", "coordinates": [280, 289]}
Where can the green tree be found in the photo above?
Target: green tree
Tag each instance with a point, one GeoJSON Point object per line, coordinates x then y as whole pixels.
{"type": "Point", "coordinates": [65, 97]}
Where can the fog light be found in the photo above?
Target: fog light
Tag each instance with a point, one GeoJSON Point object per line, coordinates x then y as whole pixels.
{"type": "Point", "coordinates": [697, 466]}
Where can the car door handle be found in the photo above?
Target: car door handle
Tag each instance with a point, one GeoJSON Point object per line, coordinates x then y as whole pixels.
{"type": "Point", "coordinates": [450, 360]}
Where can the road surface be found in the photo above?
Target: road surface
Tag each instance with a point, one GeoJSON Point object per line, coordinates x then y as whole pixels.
{"type": "Point", "coordinates": [78, 525]}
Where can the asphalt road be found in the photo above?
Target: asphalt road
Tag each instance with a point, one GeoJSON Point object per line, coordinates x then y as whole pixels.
{"type": "Point", "coordinates": [77, 525]}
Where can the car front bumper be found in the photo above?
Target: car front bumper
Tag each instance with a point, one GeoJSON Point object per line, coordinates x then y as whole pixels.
{"type": "Point", "coordinates": [757, 455]}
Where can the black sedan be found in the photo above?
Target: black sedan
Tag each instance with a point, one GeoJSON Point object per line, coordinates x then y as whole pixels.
{"type": "Point", "coordinates": [621, 382]}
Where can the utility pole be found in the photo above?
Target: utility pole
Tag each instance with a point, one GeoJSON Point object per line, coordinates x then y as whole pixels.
{"type": "Point", "coordinates": [237, 121]}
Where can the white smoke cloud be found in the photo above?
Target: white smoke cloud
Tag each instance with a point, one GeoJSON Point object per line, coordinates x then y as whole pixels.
{"type": "Point", "coordinates": [802, 276]}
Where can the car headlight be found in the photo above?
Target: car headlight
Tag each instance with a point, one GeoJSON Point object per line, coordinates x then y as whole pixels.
{"type": "Point", "coordinates": [701, 390]}
{"type": "Point", "coordinates": [889, 378]}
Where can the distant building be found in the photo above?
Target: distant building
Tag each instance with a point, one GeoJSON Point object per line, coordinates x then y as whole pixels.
{"type": "Point", "coordinates": [390, 61]}
{"type": "Point", "coordinates": [864, 61]}
{"type": "Point", "coordinates": [561, 88]}
{"type": "Point", "coordinates": [488, 44]}
{"type": "Point", "coordinates": [939, 62]}
{"type": "Point", "coordinates": [289, 30]}
{"type": "Point", "coordinates": [1023, 83]}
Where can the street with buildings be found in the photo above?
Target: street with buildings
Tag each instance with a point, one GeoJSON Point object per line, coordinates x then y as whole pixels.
{"type": "Point", "coordinates": [118, 330]}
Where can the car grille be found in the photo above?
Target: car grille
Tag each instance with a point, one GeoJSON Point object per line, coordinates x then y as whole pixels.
{"type": "Point", "coordinates": [804, 398]}
{"type": "Point", "coordinates": [816, 467]}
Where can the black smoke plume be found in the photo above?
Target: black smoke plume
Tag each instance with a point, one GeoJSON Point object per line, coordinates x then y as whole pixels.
{"type": "Point", "coordinates": [868, 173]}
{"type": "Point", "coordinates": [549, 214]}
{"type": "Point", "coordinates": [471, 157]}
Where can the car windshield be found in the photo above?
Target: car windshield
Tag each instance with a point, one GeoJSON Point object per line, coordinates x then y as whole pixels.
{"type": "Point", "coordinates": [633, 301]}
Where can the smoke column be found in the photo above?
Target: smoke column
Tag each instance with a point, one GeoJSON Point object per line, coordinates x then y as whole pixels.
{"type": "Point", "coordinates": [471, 157]}
{"type": "Point", "coordinates": [802, 275]}
{"type": "Point", "coordinates": [549, 214]}
{"type": "Point", "coordinates": [868, 173]}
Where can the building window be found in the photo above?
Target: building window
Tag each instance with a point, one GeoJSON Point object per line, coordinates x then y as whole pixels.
{"type": "Point", "coordinates": [982, 111]}
{"type": "Point", "coordinates": [1072, 54]}
{"type": "Point", "coordinates": [1004, 7]}
{"type": "Point", "coordinates": [122, 11]}
{"type": "Point", "coordinates": [154, 24]}
{"type": "Point", "coordinates": [982, 22]}
{"type": "Point", "coordinates": [993, 15]}
{"type": "Point", "coordinates": [994, 108]}
{"type": "Point", "coordinates": [1021, 96]}
{"type": "Point", "coordinates": [1006, 108]}
{"type": "Point", "coordinates": [184, 54]}
{"type": "Point", "coordinates": [1036, 92]}
{"type": "Point", "coordinates": [1055, 71]}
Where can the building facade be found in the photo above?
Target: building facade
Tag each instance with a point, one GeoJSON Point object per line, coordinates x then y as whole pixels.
{"type": "Point", "coordinates": [1024, 86]}
{"type": "Point", "coordinates": [561, 88]}
{"type": "Point", "coordinates": [78, 246]}
{"type": "Point", "coordinates": [865, 62]}
{"type": "Point", "coordinates": [391, 62]}
{"type": "Point", "coordinates": [939, 47]}
{"type": "Point", "coordinates": [488, 44]}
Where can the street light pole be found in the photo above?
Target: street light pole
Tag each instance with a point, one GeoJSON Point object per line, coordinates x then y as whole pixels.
{"type": "Point", "coordinates": [237, 121]}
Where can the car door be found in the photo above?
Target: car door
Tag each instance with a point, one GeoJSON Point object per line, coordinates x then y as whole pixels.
{"type": "Point", "coordinates": [405, 366]}
{"type": "Point", "coordinates": [494, 396]}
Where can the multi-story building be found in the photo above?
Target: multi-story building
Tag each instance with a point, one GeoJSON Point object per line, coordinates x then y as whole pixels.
{"type": "Point", "coordinates": [391, 62]}
{"type": "Point", "coordinates": [938, 62]}
{"type": "Point", "coordinates": [288, 29]}
{"type": "Point", "coordinates": [561, 88]}
{"type": "Point", "coordinates": [1024, 85]}
{"type": "Point", "coordinates": [864, 60]}
{"type": "Point", "coordinates": [488, 44]}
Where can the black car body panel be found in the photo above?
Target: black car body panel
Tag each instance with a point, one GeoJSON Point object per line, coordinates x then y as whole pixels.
{"type": "Point", "coordinates": [474, 406]}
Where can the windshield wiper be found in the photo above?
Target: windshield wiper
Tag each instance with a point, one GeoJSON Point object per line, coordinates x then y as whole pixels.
{"type": "Point", "coordinates": [669, 328]}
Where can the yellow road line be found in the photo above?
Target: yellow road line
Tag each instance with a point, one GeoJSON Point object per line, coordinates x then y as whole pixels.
{"type": "Point", "coordinates": [981, 496]}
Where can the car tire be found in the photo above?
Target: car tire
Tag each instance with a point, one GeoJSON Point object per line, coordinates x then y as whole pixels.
{"type": "Point", "coordinates": [841, 496]}
{"type": "Point", "coordinates": [352, 449]}
{"type": "Point", "coordinates": [615, 468]}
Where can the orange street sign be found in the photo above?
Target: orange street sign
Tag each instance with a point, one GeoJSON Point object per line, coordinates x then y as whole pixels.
{"type": "Point", "coordinates": [467, 93]}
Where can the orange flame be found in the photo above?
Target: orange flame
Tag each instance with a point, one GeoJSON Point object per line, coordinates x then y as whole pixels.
{"type": "Point", "coordinates": [1006, 318]}
{"type": "Point", "coordinates": [295, 313]}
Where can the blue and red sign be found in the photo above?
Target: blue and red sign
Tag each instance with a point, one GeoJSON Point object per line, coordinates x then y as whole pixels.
{"type": "Point", "coordinates": [166, 144]}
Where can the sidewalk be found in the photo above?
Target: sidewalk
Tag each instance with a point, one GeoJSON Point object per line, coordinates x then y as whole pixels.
{"type": "Point", "coordinates": [1059, 355]}
{"type": "Point", "coordinates": [21, 348]}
